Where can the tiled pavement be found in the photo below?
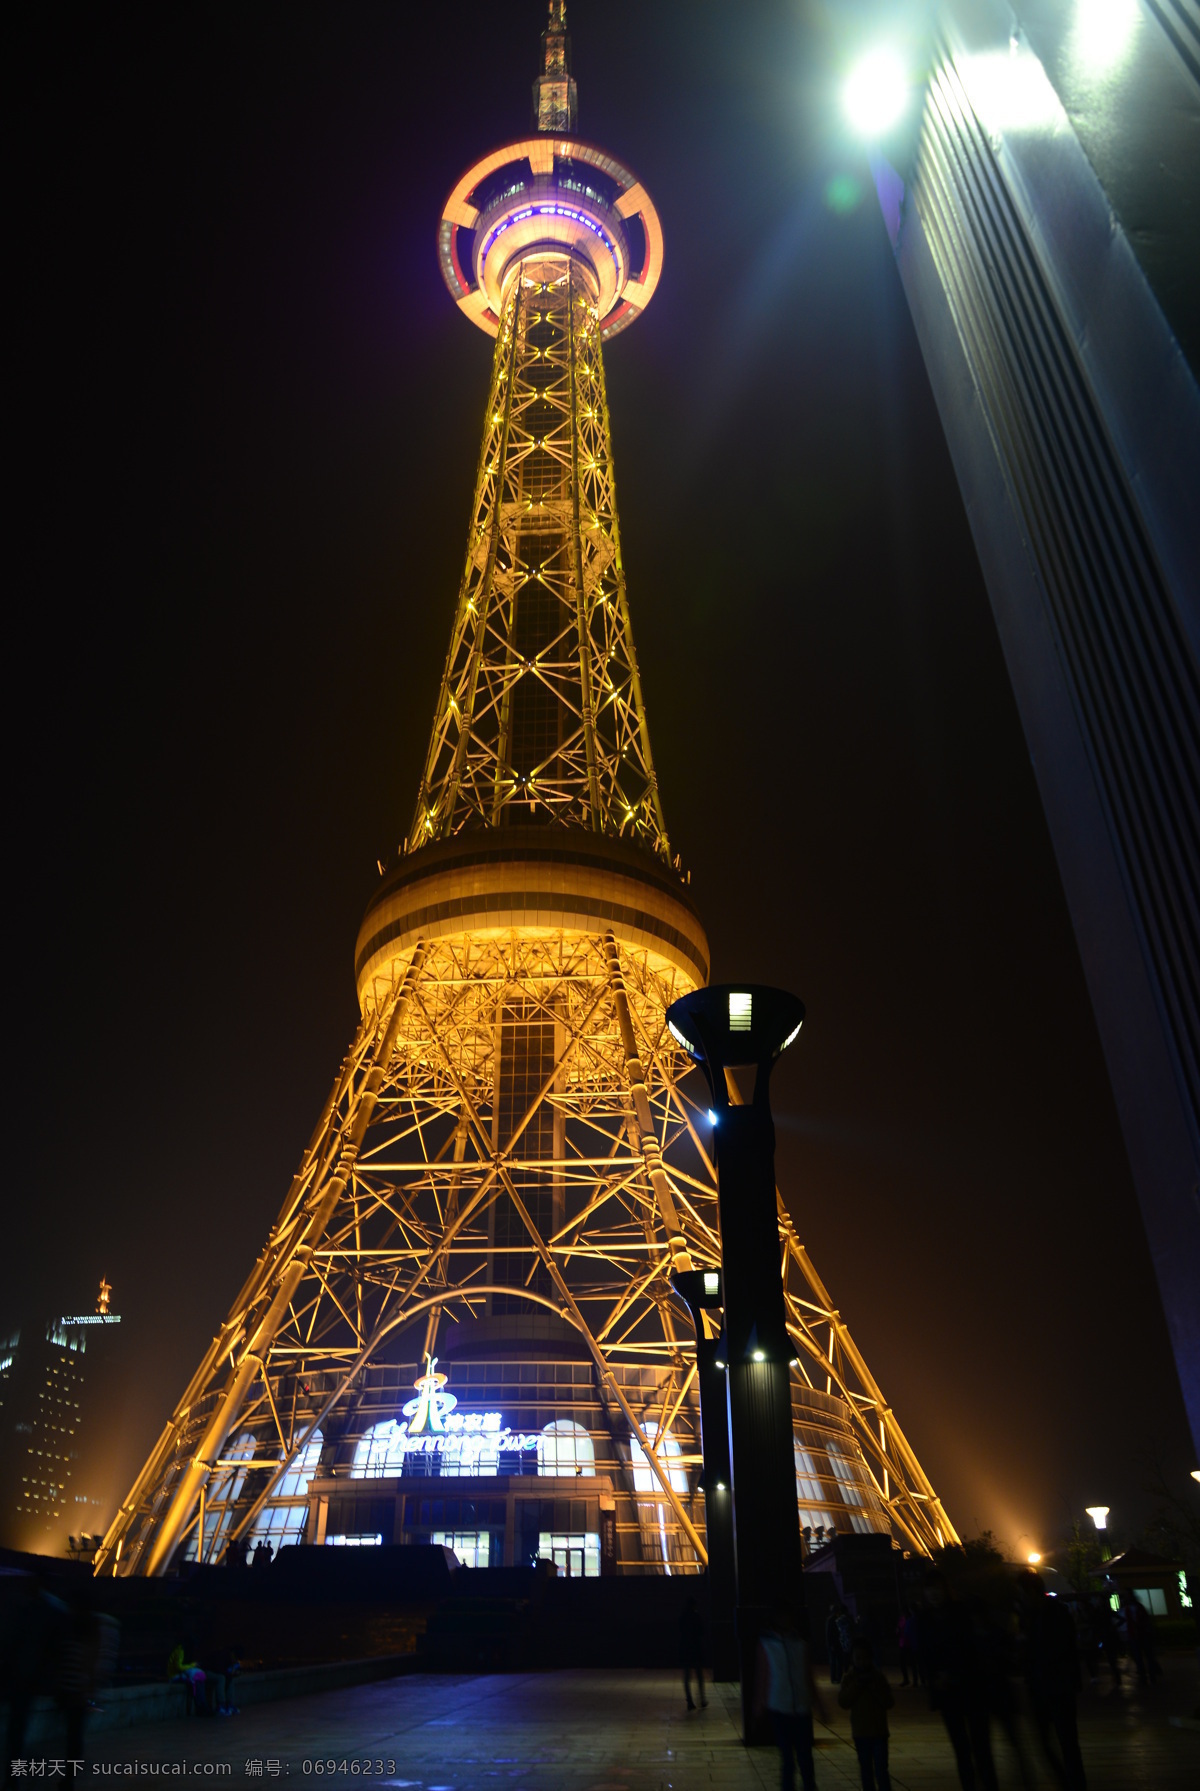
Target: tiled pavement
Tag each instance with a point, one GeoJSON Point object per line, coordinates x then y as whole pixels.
{"type": "Point", "coordinates": [610, 1731]}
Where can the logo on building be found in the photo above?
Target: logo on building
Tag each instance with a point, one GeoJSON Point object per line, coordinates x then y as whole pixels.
{"type": "Point", "coordinates": [426, 1411]}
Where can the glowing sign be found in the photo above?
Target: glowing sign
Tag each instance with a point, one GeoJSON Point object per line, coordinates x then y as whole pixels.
{"type": "Point", "coordinates": [431, 1404]}
{"type": "Point", "coordinates": [93, 1318]}
{"type": "Point", "coordinates": [433, 1425]}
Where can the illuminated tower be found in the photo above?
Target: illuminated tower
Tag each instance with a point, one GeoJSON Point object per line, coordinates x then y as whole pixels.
{"type": "Point", "coordinates": [513, 1158]}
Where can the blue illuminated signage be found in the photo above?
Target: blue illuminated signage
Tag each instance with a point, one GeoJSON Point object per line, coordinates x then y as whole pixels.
{"type": "Point", "coordinates": [433, 1425]}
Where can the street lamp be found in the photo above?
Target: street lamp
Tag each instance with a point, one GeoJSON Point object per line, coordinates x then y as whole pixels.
{"type": "Point", "coordinates": [1098, 1515]}
{"type": "Point", "coordinates": [723, 1029]}
{"type": "Point", "coordinates": [1034, 1558]}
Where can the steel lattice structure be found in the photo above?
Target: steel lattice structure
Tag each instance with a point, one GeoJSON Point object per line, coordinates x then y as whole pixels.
{"type": "Point", "coordinates": [513, 1131]}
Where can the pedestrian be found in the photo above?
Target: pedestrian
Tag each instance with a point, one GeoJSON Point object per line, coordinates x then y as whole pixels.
{"type": "Point", "coordinates": [957, 1681]}
{"type": "Point", "coordinates": [183, 1669]}
{"type": "Point", "coordinates": [691, 1651]}
{"type": "Point", "coordinates": [1106, 1632]}
{"type": "Point", "coordinates": [784, 1688]}
{"type": "Point", "coordinates": [1052, 1674]}
{"type": "Point", "coordinates": [229, 1665]}
{"type": "Point", "coordinates": [910, 1660]}
{"type": "Point", "coordinates": [866, 1694]}
{"type": "Point", "coordinates": [1141, 1640]}
{"type": "Point", "coordinates": [833, 1643]}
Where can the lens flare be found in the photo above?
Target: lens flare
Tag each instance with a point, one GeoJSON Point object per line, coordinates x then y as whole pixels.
{"type": "Point", "coordinates": [876, 94]}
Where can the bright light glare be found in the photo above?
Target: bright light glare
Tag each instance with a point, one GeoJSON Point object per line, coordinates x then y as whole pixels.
{"type": "Point", "coordinates": [717, 1364]}
{"type": "Point", "coordinates": [1033, 1559]}
{"type": "Point", "coordinates": [712, 1283]}
{"type": "Point", "coordinates": [679, 1038]}
{"type": "Point", "coordinates": [759, 1356]}
{"type": "Point", "coordinates": [875, 96]}
{"type": "Point", "coordinates": [792, 1036]}
{"type": "Point", "coordinates": [1102, 34]}
{"type": "Point", "coordinates": [1098, 1515]}
{"type": "Point", "coordinates": [712, 1118]}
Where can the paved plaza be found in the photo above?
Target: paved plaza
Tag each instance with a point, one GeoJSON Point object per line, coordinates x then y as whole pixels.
{"type": "Point", "coordinates": [610, 1731]}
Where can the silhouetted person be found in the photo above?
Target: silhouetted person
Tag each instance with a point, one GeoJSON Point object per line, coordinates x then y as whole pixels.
{"type": "Point", "coordinates": [1052, 1673]}
{"type": "Point", "coordinates": [784, 1688]}
{"type": "Point", "coordinates": [910, 1659]}
{"type": "Point", "coordinates": [37, 1622]}
{"type": "Point", "coordinates": [866, 1694]}
{"type": "Point", "coordinates": [262, 1554]}
{"type": "Point", "coordinates": [691, 1651]}
{"type": "Point", "coordinates": [227, 1664]}
{"type": "Point", "coordinates": [958, 1683]}
{"type": "Point", "coordinates": [1108, 1640]}
{"type": "Point", "coordinates": [838, 1637]}
{"type": "Point", "coordinates": [1141, 1640]}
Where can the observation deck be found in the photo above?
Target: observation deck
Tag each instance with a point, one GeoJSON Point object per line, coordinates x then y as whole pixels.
{"type": "Point", "coordinates": [551, 194]}
{"type": "Point", "coordinates": [530, 882]}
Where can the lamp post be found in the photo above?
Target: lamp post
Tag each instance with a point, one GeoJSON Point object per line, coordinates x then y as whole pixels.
{"type": "Point", "coordinates": [725, 1028]}
{"type": "Point", "coordinates": [701, 1289]}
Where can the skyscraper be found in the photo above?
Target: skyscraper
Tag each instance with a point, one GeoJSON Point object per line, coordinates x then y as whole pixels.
{"type": "Point", "coordinates": [462, 1327]}
{"type": "Point", "coordinates": [45, 1370]}
{"type": "Point", "coordinates": [1044, 225]}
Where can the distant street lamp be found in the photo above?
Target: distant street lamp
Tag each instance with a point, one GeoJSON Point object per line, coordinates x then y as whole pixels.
{"type": "Point", "coordinates": [1033, 1558]}
{"type": "Point", "coordinates": [1098, 1515]}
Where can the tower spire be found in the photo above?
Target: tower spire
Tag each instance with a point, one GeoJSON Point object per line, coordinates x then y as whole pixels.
{"type": "Point", "coordinates": [555, 103]}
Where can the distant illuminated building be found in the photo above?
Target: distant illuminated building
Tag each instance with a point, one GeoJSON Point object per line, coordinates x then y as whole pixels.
{"type": "Point", "coordinates": [43, 1370]}
{"type": "Point", "coordinates": [1044, 216]}
{"type": "Point", "coordinates": [463, 1327]}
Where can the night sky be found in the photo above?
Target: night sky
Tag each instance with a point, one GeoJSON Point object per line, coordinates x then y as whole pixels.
{"type": "Point", "coordinates": [247, 416]}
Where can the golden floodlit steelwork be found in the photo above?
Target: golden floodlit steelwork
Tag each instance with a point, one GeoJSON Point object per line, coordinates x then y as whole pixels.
{"type": "Point", "coordinates": [514, 1155]}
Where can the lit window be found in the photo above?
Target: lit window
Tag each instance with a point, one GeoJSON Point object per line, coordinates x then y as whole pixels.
{"type": "Point", "coordinates": [1152, 1599]}
{"type": "Point", "coordinates": [576, 1555]}
{"type": "Point", "coordinates": [379, 1451]}
{"type": "Point", "coordinates": [565, 1447]}
{"type": "Point", "coordinates": [375, 1541]}
{"type": "Point", "coordinates": [644, 1478]}
{"type": "Point", "coordinates": [810, 1498]}
{"type": "Point", "coordinates": [853, 1486]}
{"type": "Point", "coordinates": [740, 1011]}
{"type": "Point", "coordinates": [471, 1546]}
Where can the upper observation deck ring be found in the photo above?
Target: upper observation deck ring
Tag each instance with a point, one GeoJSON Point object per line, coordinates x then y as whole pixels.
{"type": "Point", "coordinates": [557, 194]}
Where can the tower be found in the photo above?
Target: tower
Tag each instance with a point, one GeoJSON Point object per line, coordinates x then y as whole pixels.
{"type": "Point", "coordinates": [462, 1326]}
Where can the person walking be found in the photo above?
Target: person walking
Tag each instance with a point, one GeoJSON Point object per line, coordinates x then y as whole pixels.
{"type": "Point", "coordinates": [910, 1660]}
{"type": "Point", "coordinates": [833, 1643]}
{"type": "Point", "coordinates": [691, 1651]}
{"type": "Point", "coordinates": [784, 1688]}
{"type": "Point", "coordinates": [958, 1685]}
{"type": "Point", "coordinates": [1052, 1674]}
{"type": "Point", "coordinates": [866, 1694]}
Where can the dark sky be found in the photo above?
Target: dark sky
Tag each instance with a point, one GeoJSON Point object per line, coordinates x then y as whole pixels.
{"type": "Point", "coordinates": [247, 418]}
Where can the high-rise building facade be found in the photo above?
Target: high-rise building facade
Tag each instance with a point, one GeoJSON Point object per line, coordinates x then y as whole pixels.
{"type": "Point", "coordinates": [45, 1378]}
{"type": "Point", "coordinates": [462, 1327]}
{"type": "Point", "coordinates": [1045, 227]}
